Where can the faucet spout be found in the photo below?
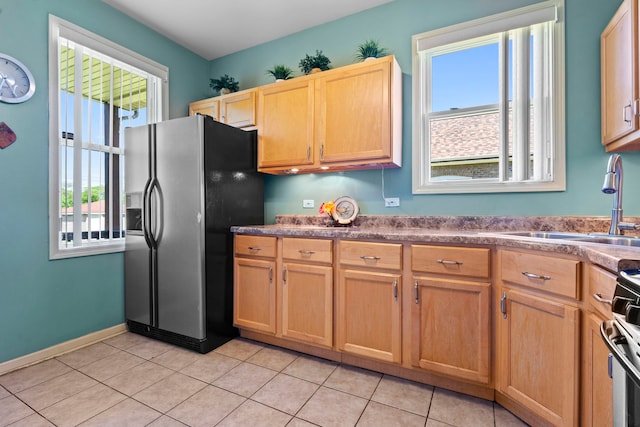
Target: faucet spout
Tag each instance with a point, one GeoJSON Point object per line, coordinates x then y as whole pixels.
{"type": "Point", "coordinates": [613, 185]}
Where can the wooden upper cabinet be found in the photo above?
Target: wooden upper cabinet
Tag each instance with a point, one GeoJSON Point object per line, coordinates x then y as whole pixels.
{"type": "Point", "coordinates": [619, 85]}
{"type": "Point", "coordinates": [236, 109]}
{"type": "Point", "coordinates": [347, 118]}
{"type": "Point", "coordinates": [285, 123]}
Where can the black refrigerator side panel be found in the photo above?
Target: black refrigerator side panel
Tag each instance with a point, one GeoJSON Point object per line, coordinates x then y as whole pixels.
{"type": "Point", "coordinates": [234, 195]}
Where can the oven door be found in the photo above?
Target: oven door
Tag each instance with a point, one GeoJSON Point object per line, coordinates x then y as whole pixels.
{"type": "Point", "coordinates": [625, 372]}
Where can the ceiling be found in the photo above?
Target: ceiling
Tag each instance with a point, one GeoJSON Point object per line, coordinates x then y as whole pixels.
{"type": "Point", "coordinates": [215, 28]}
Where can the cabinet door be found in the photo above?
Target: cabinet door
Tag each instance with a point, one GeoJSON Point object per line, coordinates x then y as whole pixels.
{"type": "Point", "coordinates": [368, 319]}
{"type": "Point", "coordinates": [207, 107]}
{"type": "Point", "coordinates": [619, 78]}
{"type": "Point", "coordinates": [307, 303]}
{"type": "Point", "coordinates": [538, 355]}
{"type": "Point", "coordinates": [597, 386]}
{"type": "Point", "coordinates": [451, 327]}
{"type": "Point", "coordinates": [353, 114]}
{"type": "Point", "coordinates": [255, 297]}
{"type": "Point", "coordinates": [239, 110]}
{"type": "Point", "coordinates": [285, 120]}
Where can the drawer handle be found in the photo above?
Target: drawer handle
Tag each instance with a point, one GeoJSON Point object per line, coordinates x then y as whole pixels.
{"type": "Point", "coordinates": [369, 258]}
{"type": "Point", "coordinates": [305, 252]}
{"type": "Point", "coordinates": [535, 276]}
{"type": "Point", "coordinates": [598, 297]}
{"type": "Point", "coordinates": [254, 248]}
{"type": "Point", "coordinates": [446, 262]}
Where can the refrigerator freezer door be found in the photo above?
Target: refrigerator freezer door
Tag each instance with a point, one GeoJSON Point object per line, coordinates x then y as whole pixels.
{"type": "Point", "coordinates": [138, 301]}
{"type": "Point", "coordinates": [180, 227]}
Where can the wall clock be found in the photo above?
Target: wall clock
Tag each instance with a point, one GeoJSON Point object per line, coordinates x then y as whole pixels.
{"type": "Point", "coordinates": [346, 210]}
{"type": "Point", "coordinates": [16, 81]}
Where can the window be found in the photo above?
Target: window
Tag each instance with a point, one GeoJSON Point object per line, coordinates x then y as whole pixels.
{"type": "Point", "coordinates": [96, 89]}
{"type": "Point", "coordinates": [488, 113]}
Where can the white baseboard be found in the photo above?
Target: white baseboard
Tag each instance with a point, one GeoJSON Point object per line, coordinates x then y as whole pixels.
{"type": "Point", "coordinates": [58, 349]}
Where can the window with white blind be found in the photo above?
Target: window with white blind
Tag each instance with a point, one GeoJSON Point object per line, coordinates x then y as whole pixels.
{"type": "Point", "coordinates": [96, 89]}
{"type": "Point", "coordinates": [489, 104]}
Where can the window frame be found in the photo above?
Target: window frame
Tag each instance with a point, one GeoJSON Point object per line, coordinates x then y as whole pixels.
{"type": "Point", "coordinates": [59, 28]}
{"type": "Point", "coordinates": [467, 31]}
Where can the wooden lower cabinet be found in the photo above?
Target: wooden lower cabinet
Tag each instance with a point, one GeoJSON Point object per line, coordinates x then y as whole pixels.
{"type": "Point", "coordinates": [451, 327]}
{"type": "Point", "coordinates": [307, 303]}
{"type": "Point", "coordinates": [254, 295]}
{"type": "Point", "coordinates": [538, 355]}
{"type": "Point", "coordinates": [597, 386]}
{"type": "Point", "coordinates": [369, 317]}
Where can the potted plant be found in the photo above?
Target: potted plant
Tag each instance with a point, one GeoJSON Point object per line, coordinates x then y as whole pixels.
{"type": "Point", "coordinates": [224, 84]}
{"type": "Point", "coordinates": [309, 63]}
{"type": "Point", "coordinates": [370, 49]}
{"type": "Point", "coordinates": [280, 72]}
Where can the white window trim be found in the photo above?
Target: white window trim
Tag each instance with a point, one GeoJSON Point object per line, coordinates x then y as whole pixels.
{"type": "Point", "coordinates": [61, 28]}
{"type": "Point", "coordinates": [477, 28]}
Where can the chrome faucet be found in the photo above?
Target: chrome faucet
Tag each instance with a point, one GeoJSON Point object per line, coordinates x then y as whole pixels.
{"type": "Point", "coordinates": [613, 185]}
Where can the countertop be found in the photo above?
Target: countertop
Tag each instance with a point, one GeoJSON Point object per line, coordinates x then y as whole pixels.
{"type": "Point", "coordinates": [466, 230]}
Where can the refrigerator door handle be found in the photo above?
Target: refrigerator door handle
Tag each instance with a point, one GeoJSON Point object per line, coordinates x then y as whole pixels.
{"type": "Point", "coordinates": [148, 233]}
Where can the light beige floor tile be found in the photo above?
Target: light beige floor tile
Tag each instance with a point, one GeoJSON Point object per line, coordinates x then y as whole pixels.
{"type": "Point", "coordinates": [33, 420]}
{"type": "Point", "coordinates": [460, 410]}
{"type": "Point", "coordinates": [357, 381]}
{"type": "Point", "coordinates": [297, 422]}
{"type": "Point", "coordinates": [177, 358]}
{"type": "Point", "coordinates": [328, 407]}
{"type": "Point", "coordinates": [311, 369]}
{"type": "Point", "coordinates": [22, 379]}
{"type": "Point", "coordinates": [403, 394]}
{"type": "Point", "coordinates": [150, 348]}
{"type": "Point", "coordinates": [126, 413]}
{"type": "Point", "coordinates": [240, 348]}
{"type": "Point", "coordinates": [87, 355]}
{"type": "Point", "coordinates": [211, 367]}
{"type": "Point", "coordinates": [273, 358]}
{"type": "Point", "coordinates": [126, 340]}
{"type": "Point", "coordinates": [82, 406]}
{"type": "Point", "coordinates": [12, 410]}
{"type": "Point", "coordinates": [505, 418]}
{"type": "Point", "coordinates": [433, 423]}
{"type": "Point", "coordinates": [111, 366]}
{"type": "Point", "coordinates": [285, 393]}
{"type": "Point", "coordinates": [138, 378]}
{"type": "Point", "coordinates": [169, 392]}
{"type": "Point", "coordinates": [165, 421]}
{"type": "Point", "coordinates": [252, 413]}
{"type": "Point", "coordinates": [4, 392]}
{"type": "Point", "coordinates": [245, 379]}
{"type": "Point", "coordinates": [376, 414]}
{"type": "Point", "coordinates": [59, 388]}
{"type": "Point", "coordinates": [207, 407]}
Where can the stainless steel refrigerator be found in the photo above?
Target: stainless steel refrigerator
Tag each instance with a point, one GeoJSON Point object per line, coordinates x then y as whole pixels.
{"type": "Point", "coordinates": [187, 181]}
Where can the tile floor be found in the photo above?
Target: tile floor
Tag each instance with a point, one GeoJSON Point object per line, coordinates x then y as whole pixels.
{"type": "Point", "coordinates": [130, 380]}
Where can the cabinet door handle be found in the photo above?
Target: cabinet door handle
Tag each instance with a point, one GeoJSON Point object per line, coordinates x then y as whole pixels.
{"type": "Point", "coordinates": [535, 276]}
{"type": "Point", "coordinates": [322, 152]}
{"type": "Point", "coordinates": [395, 289]}
{"type": "Point", "coordinates": [415, 291]}
{"type": "Point", "coordinates": [369, 258]}
{"type": "Point", "coordinates": [309, 153]}
{"type": "Point", "coordinates": [305, 252]}
{"type": "Point", "coordinates": [270, 274]}
{"type": "Point", "coordinates": [598, 297]}
{"type": "Point", "coordinates": [446, 262]}
{"type": "Point", "coordinates": [503, 305]}
{"type": "Point", "coordinates": [284, 275]}
{"type": "Point", "coordinates": [624, 112]}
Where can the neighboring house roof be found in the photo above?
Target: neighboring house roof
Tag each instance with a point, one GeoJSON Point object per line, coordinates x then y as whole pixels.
{"type": "Point", "coordinates": [96, 207]}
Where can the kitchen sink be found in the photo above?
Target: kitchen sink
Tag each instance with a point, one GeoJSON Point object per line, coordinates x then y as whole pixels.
{"type": "Point", "coordinates": [579, 237]}
{"type": "Point", "coordinates": [612, 240]}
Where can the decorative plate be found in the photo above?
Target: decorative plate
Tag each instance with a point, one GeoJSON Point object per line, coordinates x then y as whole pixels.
{"type": "Point", "coordinates": [346, 210]}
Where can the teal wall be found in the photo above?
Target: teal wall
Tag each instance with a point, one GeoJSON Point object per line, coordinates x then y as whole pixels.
{"type": "Point", "coordinates": [43, 302]}
{"type": "Point", "coordinates": [393, 25]}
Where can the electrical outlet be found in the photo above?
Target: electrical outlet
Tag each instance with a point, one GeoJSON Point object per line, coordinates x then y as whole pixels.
{"type": "Point", "coordinates": [308, 204]}
{"type": "Point", "coordinates": [391, 202]}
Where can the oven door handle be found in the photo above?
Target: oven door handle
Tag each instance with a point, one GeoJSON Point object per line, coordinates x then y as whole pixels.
{"type": "Point", "coordinates": [614, 340]}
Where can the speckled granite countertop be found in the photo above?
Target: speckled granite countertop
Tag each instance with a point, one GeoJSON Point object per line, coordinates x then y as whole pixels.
{"type": "Point", "coordinates": [464, 230]}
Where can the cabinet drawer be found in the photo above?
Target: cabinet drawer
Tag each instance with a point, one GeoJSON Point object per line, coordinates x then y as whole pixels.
{"type": "Point", "coordinates": [554, 275]}
{"type": "Point", "coordinates": [601, 283]}
{"type": "Point", "coordinates": [313, 250]}
{"type": "Point", "coordinates": [372, 255]}
{"type": "Point", "coordinates": [262, 246]}
{"type": "Point", "coordinates": [450, 260]}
